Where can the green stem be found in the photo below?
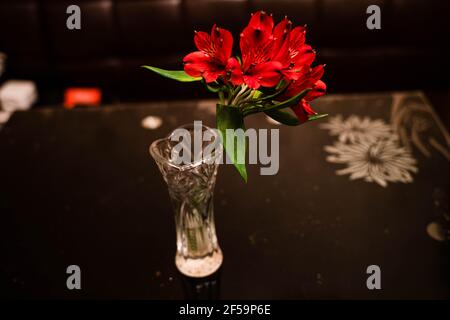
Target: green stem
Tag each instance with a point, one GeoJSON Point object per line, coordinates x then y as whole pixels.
{"type": "Point", "coordinates": [236, 98]}
{"type": "Point", "coordinates": [252, 109]}
{"type": "Point", "coordinates": [231, 94]}
{"type": "Point", "coordinates": [247, 97]}
{"type": "Point", "coordinates": [221, 97]}
{"type": "Point", "coordinates": [270, 97]}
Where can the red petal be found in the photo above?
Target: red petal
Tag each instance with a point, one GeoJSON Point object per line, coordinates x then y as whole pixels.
{"type": "Point", "coordinates": [300, 112]}
{"type": "Point", "coordinates": [300, 63]}
{"type": "Point", "coordinates": [282, 29]}
{"type": "Point", "coordinates": [317, 73]}
{"type": "Point", "coordinates": [264, 74]}
{"type": "Point", "coordinates": [307, 79]}
{"type": "Point", "coordinates": [292, 74]}
{"type": "Point", "coordinates": [255, 53]}
{"type": "Point", "coordinates": [235, 72]}
{"type": "Point", "coordinates": [299, 85]}
{"type": "Point", "coordinates": [319, 89]}
{"type": "Point", "coordinates": [304, 56]}
{"type": "Point", "coordinates": [203, 42]}
{"type": "Point", "coordinates": [297, 37]}
{"type": "Point", "coordinates": [196, 63]}
{"type": "Point", "coordinates": [281, 34]}
{"type": "Point", "coordinates": [307, 107]}
{"type": "Point", "coordinates": [303, 110]}
{"type": "Point", "coordinates": [257, 40]}
{"type": "Point", "coordinates": [211, 75]}
{"type": "Point", "coordinates": [280, 52]}
{"type": "Point", "coordinates": [200, 64]}
{"type": "Point", "coordinates": [261, 20]}
{"type": "Point", "coordinates": [252, 82]}
{"type": "Point", "coordinates": [223, 44]}
{"type": "Point", "coordinates": [218, 45]}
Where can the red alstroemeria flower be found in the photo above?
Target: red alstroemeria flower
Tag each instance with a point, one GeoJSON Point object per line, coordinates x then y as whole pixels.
{"type": "Point", "coordinates": [303, 110]}
{"type": "Point", "coordinates": [290, 49]}
{"type": "Point", "coordinates": [214, 52]}
{"type": "Point", "coordinates": [256, 47]}
{"type": "Point", "coordinates": [257, 35]}
{"type": "Point", "coordinates": [307, 79]}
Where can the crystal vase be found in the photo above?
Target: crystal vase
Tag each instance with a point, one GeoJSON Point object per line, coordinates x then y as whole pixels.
{"type": "Point", "coordinates": [191, 187]}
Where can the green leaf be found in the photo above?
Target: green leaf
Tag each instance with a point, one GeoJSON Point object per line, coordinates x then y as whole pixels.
{"type": "Point", "coordinates": [283, 116]}
{"type": "Point", "coordinates": [228, 117]}
{"type": "Point", "coordinates": [276, 94]}
{"type": "Point", "coordinates": [255, 108]}
{"type": "Point", "coordinates": [258, 95]}
{"type": "Point", "coordinates": [178, 75]}
{"type": "Point", "coordinates": [317, 117]}
{"type": "Point", "coordinates": [288, 103]}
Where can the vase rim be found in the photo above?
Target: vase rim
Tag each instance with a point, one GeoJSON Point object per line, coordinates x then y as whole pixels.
{"type": "Point", "coordinates": [210, 158]}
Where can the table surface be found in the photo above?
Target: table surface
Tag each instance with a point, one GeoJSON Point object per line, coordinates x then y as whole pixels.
{"type": "Point", "coordinates": [79, 188]}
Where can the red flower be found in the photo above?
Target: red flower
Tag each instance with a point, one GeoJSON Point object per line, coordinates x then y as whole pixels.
{"type": "Point", "coordinates": [303, 110]}
{"type": "Point", "coordinates": [290, 49]}
{"type": "Point", "coordinates": [269, 53]}
{"type": "Point", "coordinates": [258, 69]}
{"type": "Point", "coordinates": [214, 51]}
{"type": "Point", "coordinates": [257, 37]}
{"type": "Point", "coordinates": [307, 79]}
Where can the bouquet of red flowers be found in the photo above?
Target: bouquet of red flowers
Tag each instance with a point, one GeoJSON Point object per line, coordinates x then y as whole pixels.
{"type": "Point", "coordinates": [274, 75]}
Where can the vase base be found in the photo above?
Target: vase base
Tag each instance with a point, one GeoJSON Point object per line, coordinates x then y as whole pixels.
{"type": "Point", "coordinates": [199, 268]}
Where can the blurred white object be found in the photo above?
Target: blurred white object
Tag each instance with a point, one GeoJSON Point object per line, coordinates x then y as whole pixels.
{"type": "Point", "coordinates": [151, 122]}
{"type": "Point", "coordinates": [4, 117]}
{"type": "Point", "coordinates": [2, 63]}
{"type": "Point", "coordinates": [18, 95]}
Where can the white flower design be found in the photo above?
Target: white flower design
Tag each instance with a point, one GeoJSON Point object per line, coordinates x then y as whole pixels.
{"type": "Point", "coordinates": [379, 161]}
{"type": "Point", "coordinates": [355, 129]}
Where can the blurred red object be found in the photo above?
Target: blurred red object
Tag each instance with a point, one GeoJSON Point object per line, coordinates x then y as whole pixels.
{"type": "Point", "coordinates": [82, 96]}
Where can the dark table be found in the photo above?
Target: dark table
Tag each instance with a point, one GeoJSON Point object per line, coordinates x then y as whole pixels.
{"type": "Point", "coordinates": [79, 187]}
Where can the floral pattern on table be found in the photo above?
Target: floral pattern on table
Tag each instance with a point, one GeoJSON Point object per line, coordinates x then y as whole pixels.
{"type": "Point", "coordinates": [382, 152]}
{"type": "Point", "coordinates": [370, 150]}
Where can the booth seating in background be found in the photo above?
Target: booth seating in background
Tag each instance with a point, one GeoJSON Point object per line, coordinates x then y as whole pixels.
{"type": "Point", "coordinates": [409, 52]}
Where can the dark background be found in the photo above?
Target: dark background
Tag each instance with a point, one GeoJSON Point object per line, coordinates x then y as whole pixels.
{"type": "Point", "coordinates": [117, 36]}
